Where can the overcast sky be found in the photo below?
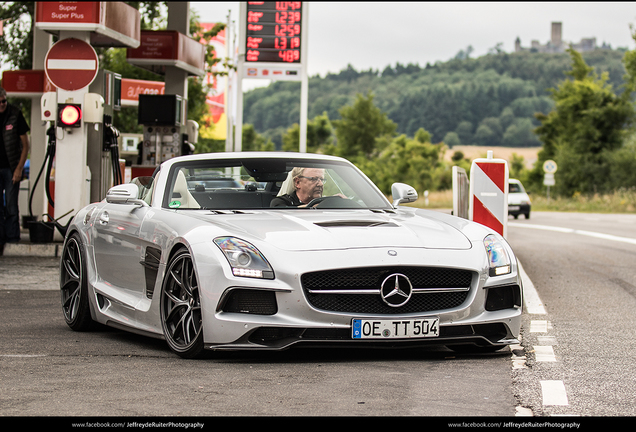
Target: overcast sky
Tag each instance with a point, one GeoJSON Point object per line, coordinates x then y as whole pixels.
{"type": "Point", "coordinates": [377, 34]}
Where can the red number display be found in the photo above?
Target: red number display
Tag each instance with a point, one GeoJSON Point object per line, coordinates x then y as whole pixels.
{"type": "Point", "coordinates": [273, 32]}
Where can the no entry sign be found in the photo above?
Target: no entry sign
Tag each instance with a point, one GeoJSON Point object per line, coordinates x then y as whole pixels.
{"type": "Point", "coordinates": [71, 64]}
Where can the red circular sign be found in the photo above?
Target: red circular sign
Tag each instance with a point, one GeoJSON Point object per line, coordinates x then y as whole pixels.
{"type": "Point", "coordinates": [71, 64]}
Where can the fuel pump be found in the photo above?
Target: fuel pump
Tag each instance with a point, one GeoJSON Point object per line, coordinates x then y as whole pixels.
{"type": "Point", "coordinates": [111, 145]}
{"type": "Point", "coordinates": [161, 116]}
{"type": "Point", "coordinates": [48, 162]}
{"type": "Point", "coordinates": [102, 152]}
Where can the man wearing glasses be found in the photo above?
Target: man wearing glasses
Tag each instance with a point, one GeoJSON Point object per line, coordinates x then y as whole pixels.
{"type": "Point", "coordinates": [308, 184]}
{"type": "Point", "coordinates": [14, 149]}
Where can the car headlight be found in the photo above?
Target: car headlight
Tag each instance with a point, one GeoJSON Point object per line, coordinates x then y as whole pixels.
{"type": "Point", "coordinates": [244, 258]}
{"type": "Point", "coordinates": [498, 259]}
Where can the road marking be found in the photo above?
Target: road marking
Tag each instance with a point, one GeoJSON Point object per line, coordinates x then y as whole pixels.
{"type": "Point", "coordinates": [547, 340]}
{"type": "Point", "coordinates": [538, 326]}
{"type": "Point", "coordinates": [554, 393]}
{"type": "Point", "coordinates": [534, 305]}
{"type": "Point", "coordinates": [22, 355]}
{"type": "Point", "coordinates": [523, 412]}
{"type": "Point", "coordinates": [544, 353]}
{"type": "Point", "coordinates": [518, 361]}
{"type": "Point", "coordinates": [575, 231]}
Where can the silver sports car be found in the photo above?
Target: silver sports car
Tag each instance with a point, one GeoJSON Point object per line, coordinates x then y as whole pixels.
{"type": "Point", "coordinates": [230, 251]}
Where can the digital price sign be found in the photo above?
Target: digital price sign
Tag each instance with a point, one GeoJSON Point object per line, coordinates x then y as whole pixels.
{"type": "Point", "coordinates": [273, 32]}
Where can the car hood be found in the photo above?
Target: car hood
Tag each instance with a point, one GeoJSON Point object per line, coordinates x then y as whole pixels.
{"type": "Point", "coordinates": [297, 230]}
{"type": "Point", "coordinates": [518, 198]}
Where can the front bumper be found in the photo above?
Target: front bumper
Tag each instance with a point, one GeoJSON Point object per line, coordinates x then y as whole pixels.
{"type": "Point", "coordinates": [243, 313]}
{"type": "Point", "coordinates": [518, 209]}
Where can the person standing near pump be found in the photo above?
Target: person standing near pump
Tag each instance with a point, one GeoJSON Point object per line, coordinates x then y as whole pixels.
{"type": "Point", "coordinates": [14, 149]}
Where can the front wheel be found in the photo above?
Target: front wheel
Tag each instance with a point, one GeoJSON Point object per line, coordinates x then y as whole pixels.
{"type": "Point", "coordinates": [74, 287]}
{"type": "Point", "coordinates": [181, 307]}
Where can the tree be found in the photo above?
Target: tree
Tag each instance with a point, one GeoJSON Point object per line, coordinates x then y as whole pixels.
{"type": "Point", "coordinates": [16, 45]}
{"type": "Point", "coordinates": [520, 134]}
{"type": "Point", "coordinates": [319, 136]}
{"type": "Point", "coordinates": [451, 139]}
{"type": "Point", "coordinates": [253, 141]}
{"type": "Point", "coordinates": [362, 124]}
{"type": "Point", "coordinates": [465, 132]}
{"type": "Point", "coordinates": [409, 160]}
{"type": "Point", "coordinates": [464, 55]}
{"type": "Point", "coordinates": [588, 124]}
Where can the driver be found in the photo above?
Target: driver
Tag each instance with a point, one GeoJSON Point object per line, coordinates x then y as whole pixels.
{"type": "Point", "coordinates": [308, 185]}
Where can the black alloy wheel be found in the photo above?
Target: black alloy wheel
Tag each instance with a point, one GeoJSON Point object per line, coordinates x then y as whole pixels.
{"type": "Point", "coordinates": [181, 307]}
{"type": "Point", "coordinates": [74, 287]}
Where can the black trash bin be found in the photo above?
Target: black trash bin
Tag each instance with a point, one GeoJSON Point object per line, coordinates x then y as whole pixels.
{"type": "Point", "coordinates": [41, 232]}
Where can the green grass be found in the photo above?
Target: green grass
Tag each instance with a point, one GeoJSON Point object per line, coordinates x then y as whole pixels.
{"type": "Point", "coordinates": [621, 201]}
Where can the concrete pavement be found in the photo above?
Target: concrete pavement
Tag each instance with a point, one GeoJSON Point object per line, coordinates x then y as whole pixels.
{"type": "Point", "coordinates": [30, 266]}
{"type": "Point", "coordinates": [26, 248]}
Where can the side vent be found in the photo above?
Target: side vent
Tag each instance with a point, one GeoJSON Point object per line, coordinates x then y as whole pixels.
{"type": "Point", "coordinates": [151, 261]}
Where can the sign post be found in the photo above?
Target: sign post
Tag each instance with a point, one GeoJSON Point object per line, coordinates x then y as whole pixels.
{"type": "Point", "coordinates": [273, 45]}
{"type": "Point", "coordinates": [549, 168]}
{"type": "Point", "coordinates": [71, 65]}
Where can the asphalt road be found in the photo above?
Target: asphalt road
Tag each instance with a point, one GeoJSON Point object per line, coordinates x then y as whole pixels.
{"type": "Point", "coordinates": [575, 358]}
{"type": "Point", "coordinates": [582, 266]}
{"type": "Point", "coordinates": [46, 369]}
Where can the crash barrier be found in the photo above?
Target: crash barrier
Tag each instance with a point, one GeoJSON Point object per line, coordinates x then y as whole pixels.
{"type": "Point", "coordinates": [489, 193]}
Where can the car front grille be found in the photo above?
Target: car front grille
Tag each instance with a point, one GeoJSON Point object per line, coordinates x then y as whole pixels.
{"type": "Point", "coordinates": [357, 290]}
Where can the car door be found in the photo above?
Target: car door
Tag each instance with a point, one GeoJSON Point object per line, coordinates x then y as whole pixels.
{"type": "Point", "coordinates": [117, 245]}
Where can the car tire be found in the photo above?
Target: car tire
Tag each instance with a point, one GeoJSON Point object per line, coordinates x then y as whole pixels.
{"type": "Point", "coordinates": [73, 285]}
{"type": "Point", "coordinates": [180, 307]}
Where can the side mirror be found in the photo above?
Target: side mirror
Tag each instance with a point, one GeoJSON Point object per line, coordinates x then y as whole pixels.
{"type": "Point", "coordinates": [124, 194]}
{"type": "Point", "coordinates": [402, 193]}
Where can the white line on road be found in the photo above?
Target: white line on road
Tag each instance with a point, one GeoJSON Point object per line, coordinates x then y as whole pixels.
{"type": "Point", "coordinates": [554, 393]}
{"type": "Point", "coordinates": [534, 305]}
{"type": "Point", "coordinates": [575, 231]}
{"type": "Point", "coordinates": [538, 326]}
{"type": "Point", "coordinates": [544, 353]}
{"type": "Point", "coordinates": [23, 355]}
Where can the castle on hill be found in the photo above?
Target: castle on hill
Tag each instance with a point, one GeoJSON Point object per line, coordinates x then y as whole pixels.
{"type": "Point", "coordinates": [558, 45]}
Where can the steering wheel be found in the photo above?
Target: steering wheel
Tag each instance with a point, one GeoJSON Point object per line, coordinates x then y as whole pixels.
{"type": "Point", "coordinates": [333, 202]}
{"type": "Point", "coordinates": [316, 201]}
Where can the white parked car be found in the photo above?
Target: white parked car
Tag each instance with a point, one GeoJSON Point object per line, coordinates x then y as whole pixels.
{"type": "Point", "coordinates": [229, 265]}
{"type": "Point", "coordinates": [518, 200]}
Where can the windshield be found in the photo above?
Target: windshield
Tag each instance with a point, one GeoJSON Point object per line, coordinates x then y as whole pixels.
{"type": "Point", "coordinates": [269, 183]}
{"type": "Point", "coordinates": [515, 188]}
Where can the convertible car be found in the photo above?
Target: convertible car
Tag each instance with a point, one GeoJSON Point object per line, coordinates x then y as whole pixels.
{"type": "Point", "coordinates": [210, 253]}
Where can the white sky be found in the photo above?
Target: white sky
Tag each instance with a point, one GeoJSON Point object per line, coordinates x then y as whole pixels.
{"type": "Point", "coordinates": [377, 34]}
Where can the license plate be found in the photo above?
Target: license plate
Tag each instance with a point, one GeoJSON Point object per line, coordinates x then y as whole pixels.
{"type": "Point", "coordinates": [513, 208]}
{"type": "Point", "coordinates": [395, 328]}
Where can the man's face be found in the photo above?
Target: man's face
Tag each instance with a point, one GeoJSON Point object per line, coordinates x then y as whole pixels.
{"type": "Point", "coordinates": [310, 184]}
{"type": "Point", "coordinates": [3, 103]}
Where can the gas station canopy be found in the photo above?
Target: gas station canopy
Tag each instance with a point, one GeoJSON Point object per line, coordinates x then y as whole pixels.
{"type": "Point", "coordinates": [111, 24]}
{"type": "Point", "coordinates": [162, 48]}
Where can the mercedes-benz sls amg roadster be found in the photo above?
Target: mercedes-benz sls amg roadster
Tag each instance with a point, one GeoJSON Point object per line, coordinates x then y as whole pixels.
{"type": "Point", "coordinates": [232, 251]}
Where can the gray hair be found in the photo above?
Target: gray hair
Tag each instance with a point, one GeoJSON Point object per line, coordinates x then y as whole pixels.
{"type": "Point", "coordinates": [297, 172]}
{"type": "Point", "coordinates": [3, 92]}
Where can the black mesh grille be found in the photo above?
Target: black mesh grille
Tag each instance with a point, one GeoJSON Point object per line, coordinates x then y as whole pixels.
{"type": "Point", "coordinates": [371, 279]}
{"type": "Point", "coordinates": [251, 302]}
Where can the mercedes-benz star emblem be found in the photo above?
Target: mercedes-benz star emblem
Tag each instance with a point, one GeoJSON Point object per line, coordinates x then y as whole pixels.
{"type": "Point", "coordinates": [396, 290]}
